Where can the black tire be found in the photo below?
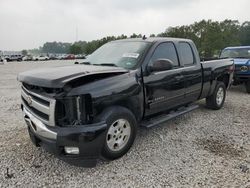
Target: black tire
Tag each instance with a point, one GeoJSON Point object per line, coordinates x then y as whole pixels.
{"type": "Point", "coordinates": [111, 115]}
{"type": "Point", "coordinates": [212, 102]}
{"type": "Point", "coordinates": [247, 84]}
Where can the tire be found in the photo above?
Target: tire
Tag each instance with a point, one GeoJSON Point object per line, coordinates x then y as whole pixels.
{"type": "Point", "coordinates": [247, 84]}
{"type": "Point", "coordinates": [124, 134]}
{"type": "Point", "coordinates": [217, 99]}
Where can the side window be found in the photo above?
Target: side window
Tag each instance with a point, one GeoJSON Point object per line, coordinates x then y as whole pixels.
{"type": "Point", "coordinates": [166, 51]}
{"type": "Point", "coordinates": [186, 54]}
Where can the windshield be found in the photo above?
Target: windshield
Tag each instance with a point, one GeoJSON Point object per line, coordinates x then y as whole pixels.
{"type": "Point", "coordinates": [236, 53]}
{"type": "Point", "coordinates": [120, 54]}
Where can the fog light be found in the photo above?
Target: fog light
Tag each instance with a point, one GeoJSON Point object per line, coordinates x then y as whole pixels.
{"type": "Point", "coordinates": [71, 150]}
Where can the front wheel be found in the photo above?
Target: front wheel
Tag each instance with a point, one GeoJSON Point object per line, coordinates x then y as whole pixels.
{"type": "Point", "coordinates": [121, 132]}
{"type": "Point", "coordinates": [247, 84]}
{"type": "Point", "coordinates": [217, 99]}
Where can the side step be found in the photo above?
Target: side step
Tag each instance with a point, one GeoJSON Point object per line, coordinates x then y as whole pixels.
{"type": "Point", "coordinates": [165, 117]}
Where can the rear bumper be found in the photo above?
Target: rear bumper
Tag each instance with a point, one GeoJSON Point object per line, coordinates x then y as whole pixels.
{"type": "Point", "coordinates": [88, 138]}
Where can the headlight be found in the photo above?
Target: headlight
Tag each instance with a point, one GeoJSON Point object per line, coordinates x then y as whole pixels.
{"type": "Point", "coordinates": [243, 68]}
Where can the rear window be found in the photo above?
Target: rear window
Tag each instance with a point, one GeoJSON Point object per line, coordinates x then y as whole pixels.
{"type": "Point", "coordinates": [186, 53]}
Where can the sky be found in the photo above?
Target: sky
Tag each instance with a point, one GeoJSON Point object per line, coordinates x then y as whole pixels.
{"type": "Point", "coordinates": [27, 24]}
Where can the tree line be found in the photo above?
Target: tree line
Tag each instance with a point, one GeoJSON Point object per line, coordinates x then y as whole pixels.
{"type": "Point", "coordinates": [209, 36]}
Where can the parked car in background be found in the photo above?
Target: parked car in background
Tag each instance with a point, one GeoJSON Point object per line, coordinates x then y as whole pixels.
{"type": "Point", "coordinates": [241, 56]}
{"type": "Point", "coordinates": [1, 60]}
{"type": "Point", "coordinates": [41, 58]}
{"type": "Point", "coordinates": [80, 56]}
{"type": "Point", "coordinates": [62, 56]}
{"type": "Point", "coordinates": [53, 56]}
{"type": "Point", "coordinates": [9, 58]}
{"type": "Point", "coordinates": [91, 110]}
{"type": "Point", "coordinates": [70, 56]}
{"type": "Point", "coordinates": [28, 58]}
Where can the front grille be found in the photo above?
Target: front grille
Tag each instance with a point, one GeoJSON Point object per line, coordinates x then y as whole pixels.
{"type": "Point", "coordinates": [43, 108]}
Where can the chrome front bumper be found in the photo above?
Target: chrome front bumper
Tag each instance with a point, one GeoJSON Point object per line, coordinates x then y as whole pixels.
{"type": "Point", "coordinates": [37, 126]}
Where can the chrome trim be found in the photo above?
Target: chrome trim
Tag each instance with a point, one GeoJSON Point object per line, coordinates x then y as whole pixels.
{"type": "Point", "coordinates": [37, 95]}
{"type": "Point", "coordinates": [40, 128]}
{"type": "Point", "coordinates": [52, 108]}
{"type": "Point", "coordinates": [36, 116]}
{"type": "Point", "coordinates": [41, 107]}
{"type": "Point", "coordinates": [49, 110]}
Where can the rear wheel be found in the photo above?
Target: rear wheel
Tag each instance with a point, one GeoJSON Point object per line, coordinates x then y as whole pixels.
{"type": "Point", "coordinates": [247, 84]}
{"type": "Point", "coordinates": [121, 132]}
{"type": "Point", "coordinates": [217, 99]}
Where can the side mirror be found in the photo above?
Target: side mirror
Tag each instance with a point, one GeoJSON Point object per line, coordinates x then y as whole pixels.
{"type": "Point", "coordinates": [161, 65]}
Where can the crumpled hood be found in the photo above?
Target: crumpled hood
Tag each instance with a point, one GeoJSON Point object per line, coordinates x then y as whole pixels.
{"type": "Point", "coordinates": [241, 61]}
{"type": "Point", "coordinates": [57, 77]}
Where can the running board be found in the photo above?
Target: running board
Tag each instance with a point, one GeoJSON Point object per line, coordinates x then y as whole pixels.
{"type": "Point", "coordinates": [163, 118]}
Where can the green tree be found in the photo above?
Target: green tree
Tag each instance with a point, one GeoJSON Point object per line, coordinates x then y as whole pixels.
{"type": "Point", "coordinates": [75, 49]}
{"type": "Point", "coordinates": [209, 36]}
{"type": "Point", "coordinates": [245, 34]}
{"type": "Point", "coordinates": [56, 47]}
{"type": "Point", "coordinates": [24, 52]}
{"type": "Point", "coordinates": [136, 36]}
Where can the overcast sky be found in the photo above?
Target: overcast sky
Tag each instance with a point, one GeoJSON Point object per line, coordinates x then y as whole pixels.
{"type": "Point", "coordinates": [26, 24]}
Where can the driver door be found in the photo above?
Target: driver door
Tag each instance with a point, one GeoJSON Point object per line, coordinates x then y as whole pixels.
{"type": "Point", "coordinates": [164, 89]}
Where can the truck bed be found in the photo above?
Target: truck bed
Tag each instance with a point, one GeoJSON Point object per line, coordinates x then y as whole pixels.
{"type": "Point", "coordinates": [212, 70]}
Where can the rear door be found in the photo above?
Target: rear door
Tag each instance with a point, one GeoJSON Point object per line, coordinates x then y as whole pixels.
{"type": "Point", "coordinates": [191, 71]}
{"type": "Point", "coordinates": [165, 89]}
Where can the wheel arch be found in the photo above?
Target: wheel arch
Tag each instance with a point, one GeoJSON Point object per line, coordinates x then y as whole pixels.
{"type": "Point", "coordinates": [133, 104]}
{"type": "Point", "coordinates": [225, 79]}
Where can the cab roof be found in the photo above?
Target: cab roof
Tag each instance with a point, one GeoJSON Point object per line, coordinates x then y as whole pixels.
{"type": "Point", "coordinates": [153, 39]}
{"type": "Point", "coordinates": [236, 47]}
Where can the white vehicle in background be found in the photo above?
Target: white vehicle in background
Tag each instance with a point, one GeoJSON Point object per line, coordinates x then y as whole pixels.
{"type": "Point", "coordinates": [41, 58]}
{"type": "Point", "coordinates": [80, 56]}
{"type": "Point", "coordinates": [27, 58]}
{"type": "Point", "coordinates": [62, 56]}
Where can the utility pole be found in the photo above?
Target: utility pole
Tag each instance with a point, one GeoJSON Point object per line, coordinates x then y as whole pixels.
{"type": "Point", "coordinates": [76, 33]}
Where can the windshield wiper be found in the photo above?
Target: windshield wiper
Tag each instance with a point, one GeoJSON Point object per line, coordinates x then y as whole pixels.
{"type": "Point", "coordinates": [106, 64]}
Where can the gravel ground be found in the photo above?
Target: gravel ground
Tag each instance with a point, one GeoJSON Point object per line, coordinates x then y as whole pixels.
{"type": "Point", "coordinates": [204, 148]}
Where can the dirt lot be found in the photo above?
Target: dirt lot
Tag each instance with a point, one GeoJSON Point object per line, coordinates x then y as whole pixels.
{"type": "Point", "coordinates": [201, 149]}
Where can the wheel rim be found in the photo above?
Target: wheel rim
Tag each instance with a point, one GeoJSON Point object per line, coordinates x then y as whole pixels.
{"type": "Point", "coordinates": [220, 96]}
{"type": "Point", "coordinates": [118, 135]}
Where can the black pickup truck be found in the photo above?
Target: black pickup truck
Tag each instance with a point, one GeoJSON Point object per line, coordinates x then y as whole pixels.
{"type": "Point", "coordinates": [93, 109]}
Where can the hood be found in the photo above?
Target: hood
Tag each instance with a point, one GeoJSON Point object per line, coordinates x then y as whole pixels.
{"type": "Point", "coordinates": [58, 77]}
{"type": "Point", "coordinates": [241, 61]}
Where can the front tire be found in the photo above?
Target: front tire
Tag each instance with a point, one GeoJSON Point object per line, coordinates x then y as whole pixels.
{"type": "Point", "coordinates": [247, 84]}
{"type": "Point", "coordinates": [120, 134]}
{"type": "Point", "coordinates": [217, 99]}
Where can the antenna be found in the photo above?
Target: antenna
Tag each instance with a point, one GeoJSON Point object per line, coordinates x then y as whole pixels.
{"type": "Point", "coordinates": [144, 37]}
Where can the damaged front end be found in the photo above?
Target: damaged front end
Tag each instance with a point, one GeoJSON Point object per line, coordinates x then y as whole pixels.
{"type": "Point", "coordinates": [59, 111]}
{"type": "Point", "coordinates": [62, 125]}
{"type": "Point", "coordinates": [73, 111]}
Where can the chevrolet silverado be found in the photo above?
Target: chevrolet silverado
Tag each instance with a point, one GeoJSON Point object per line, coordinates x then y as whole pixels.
{"type": "Point", "coordinates": [92, 110]}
